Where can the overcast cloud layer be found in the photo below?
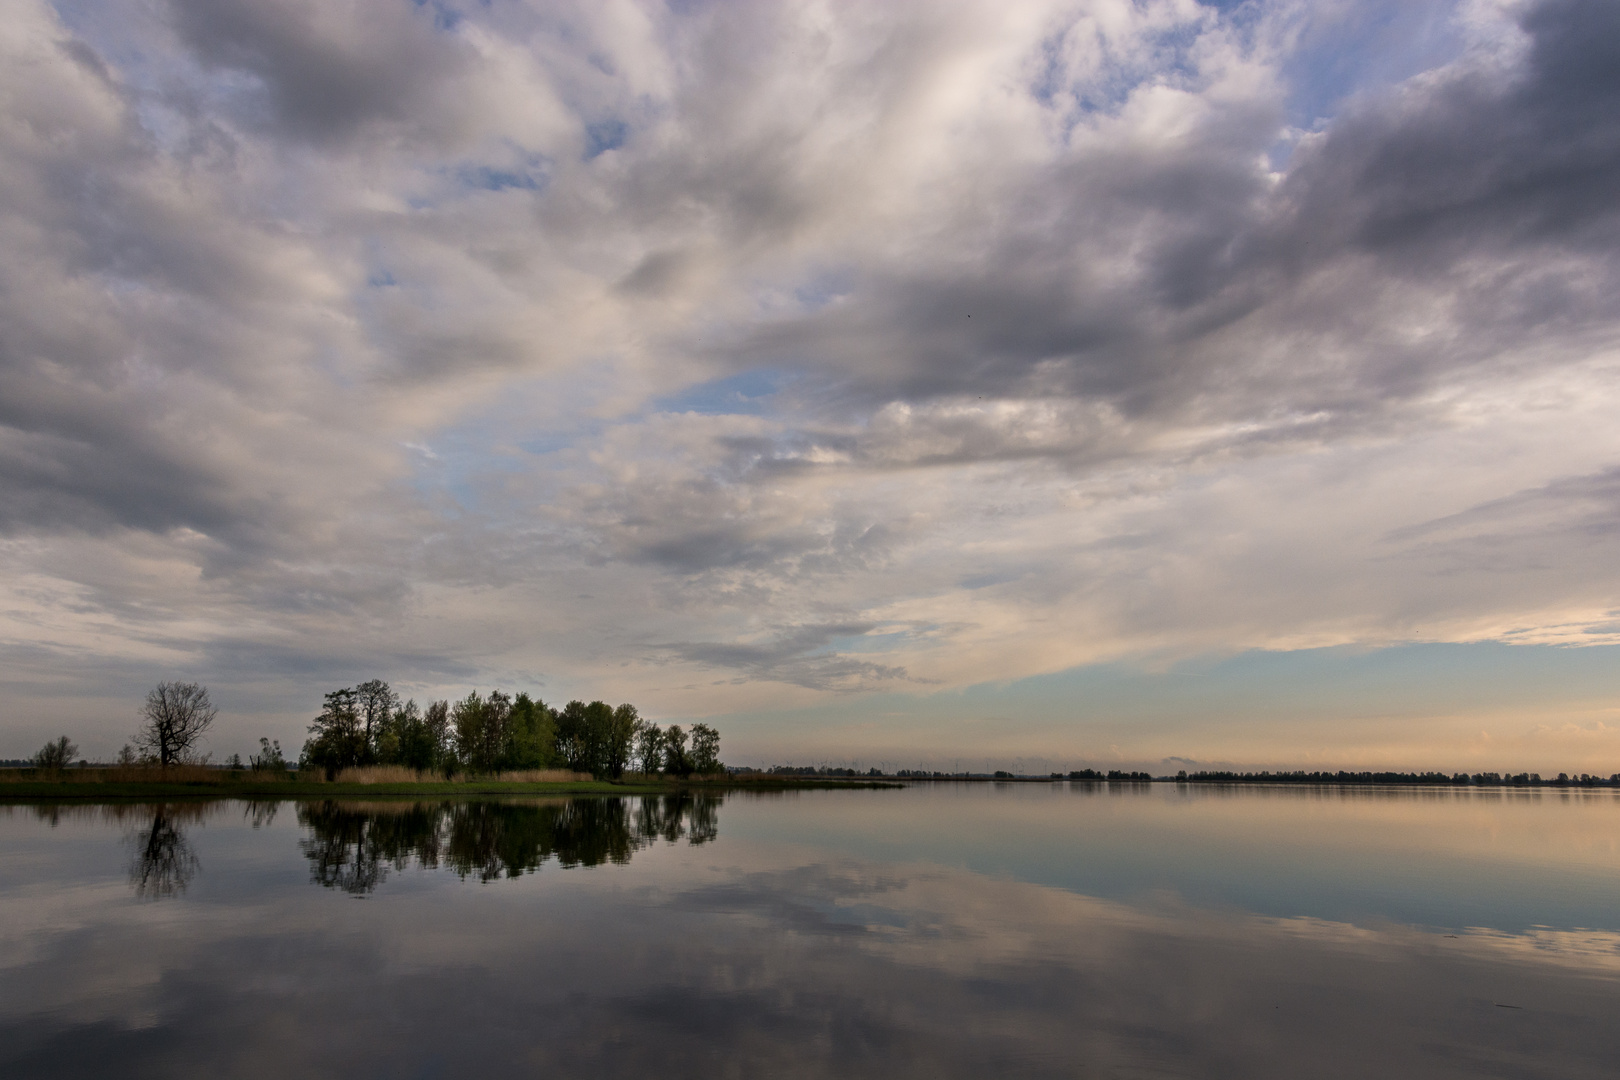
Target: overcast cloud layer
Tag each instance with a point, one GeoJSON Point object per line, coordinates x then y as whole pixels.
{"type": "Point", "coordinates": [730, 358]}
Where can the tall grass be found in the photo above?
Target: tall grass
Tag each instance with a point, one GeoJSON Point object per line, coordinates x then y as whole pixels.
{"type": "Point", "coordinates": [202, 774]}
{"type": "Point", "coordinates": [123, 774]}
{"type": "Point", "coordinates": [541, 776]}
{"type": "Point", "coordinates": [385, 774]}
{"type": "Point", "coordinates": [399, 774]}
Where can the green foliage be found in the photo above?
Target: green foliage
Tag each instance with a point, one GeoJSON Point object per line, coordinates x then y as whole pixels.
{"type": "Point", "coordinates": [676, 761]}
{"type": "Point", "coordinates": [269, 758]}
{"type": "Point", "coordinates": [337, 736]}
{"type": "Point", "coordinates": [596, 738]}
{"type": "Point", "coordinates": [367, 724]}
{"type": "Point", "coordinates": [531, 740]}
{"type": "Point", "coordinates": [620, 742]}
{"type": "Point", "coordinates": [481, 728]}
{"type": "Point", "coordinates": [573, 740]}
{"type": "Point", "coordinates": [649, 747]}
{"type": "Point", "coordinates": [705, 749]}
{"type": "Point", "coordinates": [376, 702]}
{"type": "Point", "coordinates": [419, 740]}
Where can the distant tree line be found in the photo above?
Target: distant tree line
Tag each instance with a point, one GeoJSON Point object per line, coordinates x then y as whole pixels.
{"type": "Point", "coordinates": [369, 725]}
{"type": "Point", "coordinates": [1480, 779]}
{"type": "Point", "coordinates": [811, 770]}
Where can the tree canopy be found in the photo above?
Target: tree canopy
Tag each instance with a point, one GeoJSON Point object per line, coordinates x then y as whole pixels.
{"type": "Point", "coordinates": [174, 719]}
{"type": "Point", "coordinates": [369, 725]}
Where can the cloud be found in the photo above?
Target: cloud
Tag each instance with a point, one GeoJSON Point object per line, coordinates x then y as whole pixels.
{"type": "Point", "coordinates": [325, 71]}
{"type": "Point", "coordinates": [802, 655]}
{"type": "Point", "coordinates": [398, 338]}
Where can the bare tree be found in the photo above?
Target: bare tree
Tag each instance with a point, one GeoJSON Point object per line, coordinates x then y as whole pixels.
{"type": "Point", "coordinates": [56, 756]}
{"type": "Point", "coordinates": [175, 716]}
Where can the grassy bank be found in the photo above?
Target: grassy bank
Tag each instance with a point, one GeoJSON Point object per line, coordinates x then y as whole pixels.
{"type": "Point", "coordinates": [113, 784]}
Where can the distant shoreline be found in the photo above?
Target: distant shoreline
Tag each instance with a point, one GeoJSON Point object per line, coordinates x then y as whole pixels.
{"type": "Point", "coordinates": [1299, 779]}
{"type": "Point", "coordinates": [76, 783]}
{"type": "Point", "coordinates": [249, 786]}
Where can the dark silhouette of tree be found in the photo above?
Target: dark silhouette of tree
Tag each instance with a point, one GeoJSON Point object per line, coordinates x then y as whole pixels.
{"type": "Point", "coordinates": [175, 717]}
{"type": "Point", "coordinates": [376, 703]}
{"type": "Point", "coordinates": [650, 747]}
{"type": "Point", "coordinates": [573, 735]}
{"type": "Point", "coordinates": [337, 737]}
{"type": "Point", "coordinates": [676, 763]}
{"type": "Point", "coordinates": [415, 739]}
{"type": "Point", "coordinates": [433, 741]}
{"type": "Point", "coordinates": [269, 758]}
{"type": "Point", "coordinates": [56, 755]}
{"type": "Point", "coordinates": [620, 741]}
{"type": "Point", "coordinates": [585, 737]}
{"type": "Point", "coordinates": [705, 749]}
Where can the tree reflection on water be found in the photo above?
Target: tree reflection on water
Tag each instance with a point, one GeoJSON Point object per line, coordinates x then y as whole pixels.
{"type": "Point", "coordinates": [164, 863]}
{"type": "Point", "coordinates": [352, 846]}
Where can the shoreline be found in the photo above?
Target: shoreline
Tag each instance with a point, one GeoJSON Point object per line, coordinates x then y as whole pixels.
{"type": "Point", "coordinates": [17, 791]}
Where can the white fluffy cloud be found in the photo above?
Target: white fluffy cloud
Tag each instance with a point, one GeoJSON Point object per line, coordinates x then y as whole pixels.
{"type": "Point", "coordinates": [726, 357]}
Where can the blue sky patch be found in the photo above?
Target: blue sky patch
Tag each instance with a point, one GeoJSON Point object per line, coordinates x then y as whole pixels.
{"type": "Point", "coordinates": [746, 394]}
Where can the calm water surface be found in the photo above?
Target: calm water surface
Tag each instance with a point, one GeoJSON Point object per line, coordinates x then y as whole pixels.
{"type": "Point", "coordinates": [938, 931]}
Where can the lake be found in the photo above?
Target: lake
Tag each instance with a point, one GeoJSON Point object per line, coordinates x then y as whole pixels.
{"type": "Point", "coordinates": [942, 930]}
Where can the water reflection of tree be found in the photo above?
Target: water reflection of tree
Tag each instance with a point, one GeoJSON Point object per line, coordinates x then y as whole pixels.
{"type": "Point", "coordinates": [352, 846]}
{"type": "Point", "coordinates": [260, 813]}
{"type": "Point", "coordinates": [164, 863]}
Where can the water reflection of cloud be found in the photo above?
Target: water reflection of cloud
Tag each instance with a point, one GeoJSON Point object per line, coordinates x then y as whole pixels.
{"type": "Point", "coordinates": [747, 957]}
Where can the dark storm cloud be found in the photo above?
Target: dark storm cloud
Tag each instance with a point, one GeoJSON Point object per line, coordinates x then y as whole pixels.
{"type": "Point", "coordinates": [327, 70]}
{"type": "Point", "coordinates": [1159, 280]}
{"type": "Point", "coordinates": [802, 655]}
{"type": "Point", "coordinates": [1483, 160]}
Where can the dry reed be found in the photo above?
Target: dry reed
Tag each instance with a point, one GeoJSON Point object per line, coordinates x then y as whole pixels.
{"type": "Point", "coordinates": [384, 774]}
{"type": "Point", "coordinates": [119, 774]}
{"type": "Point", "coordinates": [541, 776]}
{"type": "Point", "coordinates": [202, 774]}
{"type": "Point", "coordinates": [399, 774]}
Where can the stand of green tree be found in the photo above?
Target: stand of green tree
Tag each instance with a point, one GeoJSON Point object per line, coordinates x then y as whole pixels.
{"type": "Point", "coordinates": [369, 725]}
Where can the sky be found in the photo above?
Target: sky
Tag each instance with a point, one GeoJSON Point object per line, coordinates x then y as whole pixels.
{"type": "Point", "coordinates": [1114, 384]}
